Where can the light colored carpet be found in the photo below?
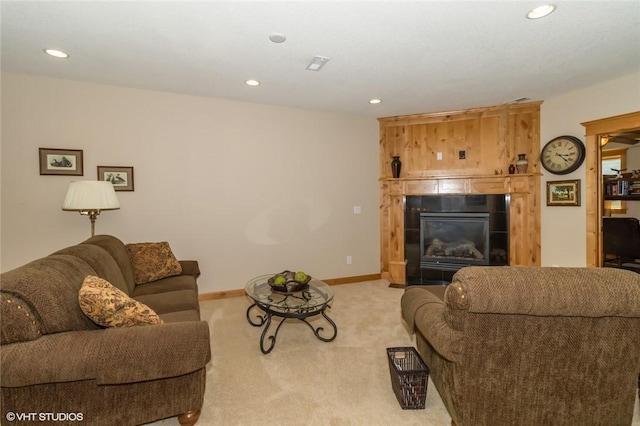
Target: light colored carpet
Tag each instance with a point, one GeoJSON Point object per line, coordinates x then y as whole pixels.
{"type": "Point", "coordinates": [306, 381]}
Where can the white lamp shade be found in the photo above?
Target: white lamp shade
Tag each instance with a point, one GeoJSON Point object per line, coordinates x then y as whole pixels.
{"type": "Point", "coordinates": [91, 195]}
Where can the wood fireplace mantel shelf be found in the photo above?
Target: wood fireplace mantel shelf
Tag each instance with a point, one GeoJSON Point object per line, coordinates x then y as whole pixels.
{"type": "Point", "coordinates": [453, 176]}
{"type": "Point", "coordinates": [489, 184]}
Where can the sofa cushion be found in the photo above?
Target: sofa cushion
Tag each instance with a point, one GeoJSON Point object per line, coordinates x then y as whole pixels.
{"type": "Point", "coordinates": [165, 285]}
{"type": "Point", "coordinates": [180, 316]}
{"type": "Point", "coordinates": [152, 261]}
{"type": "Point", "coordinates": [118, 250]}
{"type": "Point", "coordinates": [171, 301]}
{"type": "Point", "coordinates": [108, 306]}
{"type": "Point", "coordinates": [101, 261]}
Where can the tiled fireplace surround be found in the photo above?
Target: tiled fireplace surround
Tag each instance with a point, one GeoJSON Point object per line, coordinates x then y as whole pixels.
{"type": "Point", "coordinates": [522, 213]}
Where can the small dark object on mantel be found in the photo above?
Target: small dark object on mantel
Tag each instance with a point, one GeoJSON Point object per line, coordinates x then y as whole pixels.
{"type": "Point", "coordinates": [396, 166]}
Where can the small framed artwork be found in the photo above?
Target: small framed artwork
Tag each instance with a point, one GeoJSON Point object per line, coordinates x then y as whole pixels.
{"type": "Point", "coordinates": [66, 162]}
{"type": "Point", "coordinates": [120, 176]}
{"type": "Point", "coordinates": [563, 193]}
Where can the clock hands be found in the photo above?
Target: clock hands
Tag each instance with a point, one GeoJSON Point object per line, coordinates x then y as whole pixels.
{"type": "Point", "coordinates": [563, 156]}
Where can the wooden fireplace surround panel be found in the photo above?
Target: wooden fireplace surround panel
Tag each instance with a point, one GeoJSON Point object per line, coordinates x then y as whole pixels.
{"type": "Point", "coordinates": [491, 139]}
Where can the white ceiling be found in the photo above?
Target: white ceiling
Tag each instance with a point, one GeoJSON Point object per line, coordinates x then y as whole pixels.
{"type": "Point", "coordinates": [416, 56]}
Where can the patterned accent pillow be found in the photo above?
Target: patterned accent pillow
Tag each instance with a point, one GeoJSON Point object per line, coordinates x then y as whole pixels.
{"type": "Point", "coordinates": [109, 306]}
{"type": "Point", "coordinates": [152, 261]}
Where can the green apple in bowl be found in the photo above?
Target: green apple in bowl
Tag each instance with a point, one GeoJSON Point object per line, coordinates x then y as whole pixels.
{"type": "Point", "coordinates": [279, 280]}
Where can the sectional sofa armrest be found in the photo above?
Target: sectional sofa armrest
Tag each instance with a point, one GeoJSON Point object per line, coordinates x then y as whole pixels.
{"type": "Point", "coordinates": [425, 312]}
{"type": "Point", "coordinates": [109, 356]}
{"type": "Point", "coordinates": [190, 267]}
{"type": "Point", "coordinates": [412, 299]}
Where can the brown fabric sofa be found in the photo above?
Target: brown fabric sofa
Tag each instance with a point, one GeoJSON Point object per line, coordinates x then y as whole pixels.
{"type": "Point", "coordinates": [54, 359]}
{"type": "Point", "coordinates": [532, 345]}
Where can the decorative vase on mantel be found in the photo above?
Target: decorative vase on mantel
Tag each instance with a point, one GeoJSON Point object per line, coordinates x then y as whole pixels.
{"type": "Point", "coordinates": [396, 165]}
{"type": "Point", "coordinates": [522, 164]}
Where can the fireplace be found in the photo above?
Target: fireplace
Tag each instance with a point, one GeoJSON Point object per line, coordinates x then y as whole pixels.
{"type": "Point", "coordinates": [451, 240]}
{"type": "Point", "coordinates": [444, 233]}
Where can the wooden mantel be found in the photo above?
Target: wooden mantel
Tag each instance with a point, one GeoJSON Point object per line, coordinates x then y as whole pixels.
{"type": "Point", "coordinates": [476, 147]}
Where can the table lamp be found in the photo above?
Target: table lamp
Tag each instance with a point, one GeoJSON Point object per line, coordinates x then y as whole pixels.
{"type": "Point", "coordinates": [89, 197]}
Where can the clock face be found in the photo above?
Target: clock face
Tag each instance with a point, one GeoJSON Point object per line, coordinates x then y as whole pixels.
{"type": "Point", "coordinates": [562, 155]}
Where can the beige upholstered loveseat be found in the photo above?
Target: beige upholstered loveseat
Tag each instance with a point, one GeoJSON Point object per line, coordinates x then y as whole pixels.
{"type": "Point", "coordinates": [532, 346]}
{"type": "Point", "coordinates": [56, 362]}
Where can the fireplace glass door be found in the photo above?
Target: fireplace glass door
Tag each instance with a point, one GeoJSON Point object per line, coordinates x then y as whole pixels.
{"type": "Point", "coordinates": [451, 240]}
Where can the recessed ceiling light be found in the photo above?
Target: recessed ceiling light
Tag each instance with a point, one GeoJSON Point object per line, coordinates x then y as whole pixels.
{"type": "Point", "coordinates": [56, 53]}
{"type": "Point", "coordinates": [375, 101]}
{"type": "Point", "coordinates": [252, 83]}
{"type": "Point", "coordinates": [541, 11]}
{"type": "Point", "coordinates": [277, 38]}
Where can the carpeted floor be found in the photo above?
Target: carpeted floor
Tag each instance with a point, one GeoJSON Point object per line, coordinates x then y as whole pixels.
{"type": "Point", "coordinates": [306, 381]}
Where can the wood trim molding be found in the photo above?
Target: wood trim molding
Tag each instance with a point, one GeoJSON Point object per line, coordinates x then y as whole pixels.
{"type": "Point", "coordinates": [457, 114]}
{"type": "Point", "coordinates": [330, 281]}
{"type": "Point", "coordinates": [594, 200]}
{"type": "Point", "coordinates": [220, 295]}
{"type": "Point", "coordinates": [612, 124]}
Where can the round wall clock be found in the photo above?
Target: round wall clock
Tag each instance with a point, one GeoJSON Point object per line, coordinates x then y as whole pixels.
{"type": "Point", "coordinates": [562, 155]}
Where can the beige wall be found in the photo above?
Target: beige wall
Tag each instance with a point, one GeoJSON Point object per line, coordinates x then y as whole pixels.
{"type": "Point", "coordinates": [246, 189]}
{"type": "Point", "coordinates": [564, 228]}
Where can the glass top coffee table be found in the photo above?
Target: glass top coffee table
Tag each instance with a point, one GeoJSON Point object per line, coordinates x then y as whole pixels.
{"type": "Point", "coordinates": [300, 305]}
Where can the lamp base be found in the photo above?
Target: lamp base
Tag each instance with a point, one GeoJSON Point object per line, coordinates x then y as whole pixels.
{"type": "Point", "coordinates": [93, 214]}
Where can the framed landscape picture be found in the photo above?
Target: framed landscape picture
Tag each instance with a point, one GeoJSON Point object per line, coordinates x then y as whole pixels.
{"type": "Point", "coordinates": [563, 193]}
{"type": "Point", "coordinates": [120, 176]}
{"type": "Point", "coordinates": [67, 162]}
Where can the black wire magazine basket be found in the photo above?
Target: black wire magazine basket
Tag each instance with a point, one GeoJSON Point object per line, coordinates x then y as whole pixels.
{"type": "Point", "coordinates": [409, 377]}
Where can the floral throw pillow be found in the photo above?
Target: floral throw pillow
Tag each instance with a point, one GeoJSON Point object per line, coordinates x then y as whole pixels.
{"type": "Point", "coordinates": [109, 306]}
{"type": "Point", "coordinates": [152, 261]}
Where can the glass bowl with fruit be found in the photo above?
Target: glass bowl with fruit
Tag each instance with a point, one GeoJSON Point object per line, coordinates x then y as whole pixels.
{"type": "Point", "coordinates": [289, 281]}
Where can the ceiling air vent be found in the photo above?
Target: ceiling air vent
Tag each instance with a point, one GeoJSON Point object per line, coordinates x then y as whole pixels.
{"type": "Point", "coordinates": [317, 62]}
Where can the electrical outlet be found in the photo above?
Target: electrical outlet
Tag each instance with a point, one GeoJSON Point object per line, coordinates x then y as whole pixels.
{"type": "Point", "coordinates": [357, 210]}
{"type": "Point", "coordinates": [438, 156]}
{"type": "Point", "coordinates": [462, 155]}
{"type": "Point", "coordinates": [349, 260]}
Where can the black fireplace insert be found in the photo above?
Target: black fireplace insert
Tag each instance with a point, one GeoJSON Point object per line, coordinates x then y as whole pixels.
{"type": "Point", "coordinates": [451, 240]}
{"type": "Point", "coordinates": [444, 233]}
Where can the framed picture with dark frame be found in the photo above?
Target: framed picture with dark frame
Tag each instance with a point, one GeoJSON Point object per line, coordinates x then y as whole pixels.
{"type": "Point", "coordinates": [66, 162]}
{"type": "Point", "coordinates": [563, 193]}
{"type": "Point", "coordinates": [120, 176]}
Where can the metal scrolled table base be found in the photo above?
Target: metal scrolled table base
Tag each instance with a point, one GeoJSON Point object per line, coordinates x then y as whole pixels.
{"type": "Point", "coordinates": [302, 316]}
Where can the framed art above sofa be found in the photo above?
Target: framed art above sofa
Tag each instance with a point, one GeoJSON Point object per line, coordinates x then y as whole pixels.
{"type": "Point", "coordinates": [120, 176]}
{"type": "Point", "coordinates": [67, 162]}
